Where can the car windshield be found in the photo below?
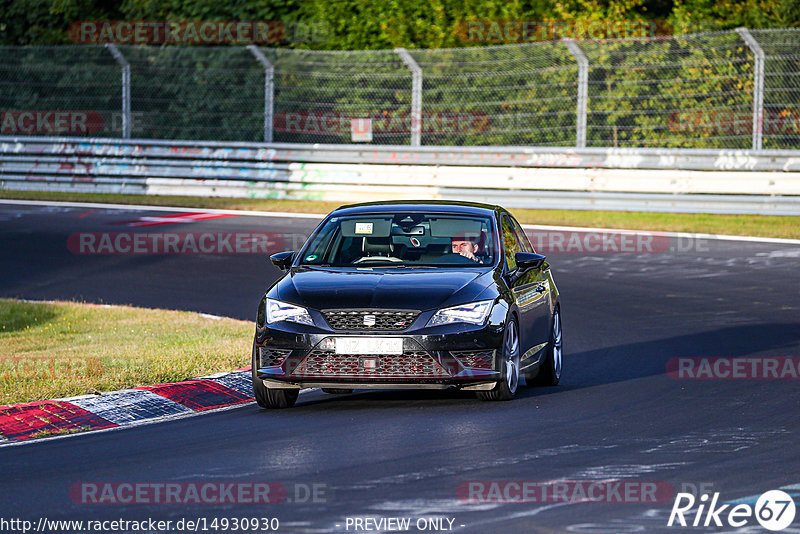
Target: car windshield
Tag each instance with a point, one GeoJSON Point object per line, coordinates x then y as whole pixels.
{"type": "Point", "coordinates": [403, 240]}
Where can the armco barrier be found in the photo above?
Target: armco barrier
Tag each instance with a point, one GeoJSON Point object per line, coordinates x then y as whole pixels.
{"type": "Point", "coordinates": [677, 180]}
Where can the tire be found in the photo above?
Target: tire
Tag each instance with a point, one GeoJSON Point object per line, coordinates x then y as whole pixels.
{"type": "Point", "coordinates": [337, 391]}
{"type": "Point", "coordinates": [269, 397]}
{"type": "Point", "coordinates": [550, 371]}
{"type": "Point", "coordinates": [509, 367]}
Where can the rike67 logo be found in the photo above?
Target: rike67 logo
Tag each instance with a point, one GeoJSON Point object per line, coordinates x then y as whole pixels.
{"type": "Point", "coordinates": [774, 510]}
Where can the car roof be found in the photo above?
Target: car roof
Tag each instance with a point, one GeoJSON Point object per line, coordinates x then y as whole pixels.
{"type": "Point", "coordinates": [435, 206]}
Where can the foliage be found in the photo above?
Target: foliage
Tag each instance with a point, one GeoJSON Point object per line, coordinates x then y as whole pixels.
{"type": "Point", "coordinates": [365, 24]}
{"type": "Point", "coordinates": [671, 92]}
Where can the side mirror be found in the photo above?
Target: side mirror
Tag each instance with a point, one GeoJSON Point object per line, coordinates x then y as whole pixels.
{"type": "Point", "coordinates": [282, 260]}
{"type": "Point", "coordinates": [529, 260]}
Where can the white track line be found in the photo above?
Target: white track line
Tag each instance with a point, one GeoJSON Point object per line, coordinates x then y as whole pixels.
{"type": "Point", "coordinates": [137, 207]}
{"type": "Point", "coordinates": [141, 207]}
{"type": "Point", "coordinates": [668, 234]}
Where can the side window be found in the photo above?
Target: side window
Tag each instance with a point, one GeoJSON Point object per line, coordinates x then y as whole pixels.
{"type": "Point", "coordinates": [510, 243]}
{"type": "Point", "coordinates": [526, 245]}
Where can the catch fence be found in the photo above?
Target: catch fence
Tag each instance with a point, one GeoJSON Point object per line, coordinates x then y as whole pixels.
{"type": "Point", "coordinates": [737, 89]}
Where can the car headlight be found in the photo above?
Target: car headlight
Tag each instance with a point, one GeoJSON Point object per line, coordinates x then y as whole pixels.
{"type": "Point", "coordinates": [283, 311]}
{"type": "Point", "coordinates": [473, 312]}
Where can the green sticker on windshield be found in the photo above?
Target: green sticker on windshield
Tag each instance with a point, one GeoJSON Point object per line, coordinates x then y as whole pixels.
{"type": "Point", "coordinates": [312, 257]}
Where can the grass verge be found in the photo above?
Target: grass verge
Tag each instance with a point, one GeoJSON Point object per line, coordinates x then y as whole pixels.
{"type": "Point", "coordinates": [753, 225]}
{"type": "Point", "coordinates": [62, 349]}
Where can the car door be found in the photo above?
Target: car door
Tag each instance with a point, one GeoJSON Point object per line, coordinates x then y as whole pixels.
{"type": "Point", "coordinates": [518, 283]}
{"type": "Point", "coordinates": [531, 290]}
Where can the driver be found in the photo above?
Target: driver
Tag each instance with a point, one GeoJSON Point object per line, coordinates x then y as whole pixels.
{"type": "Point", "coordinates": [468, 245]}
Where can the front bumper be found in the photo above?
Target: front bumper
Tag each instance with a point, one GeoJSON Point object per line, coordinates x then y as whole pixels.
{"type": "Point", "coordinates": [291, 355]}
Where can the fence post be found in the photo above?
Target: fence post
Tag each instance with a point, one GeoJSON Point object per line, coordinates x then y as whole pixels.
{"type": "Point", "coordinates": [583, 91]}
{"type": "Point", "coordinates": [416, 95]}
{"type": "Point", "coordinates": [269, 90]}
{"type": "Point", "coordinates": [758, 86]}
{"type": "Point", "coordinates": [126, 89]}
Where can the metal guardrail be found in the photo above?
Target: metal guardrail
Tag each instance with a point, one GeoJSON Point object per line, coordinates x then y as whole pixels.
{"type": "Point", "coordinates": [510, 156]}
{"type": "Point", "coordinates": [676, 180]}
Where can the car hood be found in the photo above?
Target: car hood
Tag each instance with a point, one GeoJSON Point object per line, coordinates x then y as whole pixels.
{"type": "Point", "coordinates": [418, 288]}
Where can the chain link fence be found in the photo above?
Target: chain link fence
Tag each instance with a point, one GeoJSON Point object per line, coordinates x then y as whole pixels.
{"type": "Point", "coordinates": [687, 91]}
{"type": "Point", "coordinates": [736, 89]}
{"type": "Point", "coordinates": [317, 94]}
{"type": "Point", "coordinates": [781, 87]}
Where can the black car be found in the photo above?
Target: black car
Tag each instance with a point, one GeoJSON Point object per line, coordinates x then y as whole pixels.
{"type": "Point", "coordinates": [409, 294]}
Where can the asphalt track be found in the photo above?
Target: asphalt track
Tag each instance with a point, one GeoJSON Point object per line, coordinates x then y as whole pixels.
{"type": "Point", "coordinates": [616, 416]}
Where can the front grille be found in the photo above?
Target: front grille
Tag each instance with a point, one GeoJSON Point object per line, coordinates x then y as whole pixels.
{"type": "Point", "coordinates": [269, 357]}
{"type": "Point", "coordinates": [411, 364]}
{"type": "Point", "coordinates": [481, 359]}
{"type": "Point", "coordinates": [370, 319]}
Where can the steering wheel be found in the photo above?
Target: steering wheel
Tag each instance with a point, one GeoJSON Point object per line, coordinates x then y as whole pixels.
{"type": "Point", "coordinates": [365, 259]}
{"type": "Point", "coordinates": [452, 257]}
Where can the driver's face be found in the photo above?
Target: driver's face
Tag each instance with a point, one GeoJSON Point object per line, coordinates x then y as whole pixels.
{"type": "Point", "coordinates": [459, 246]}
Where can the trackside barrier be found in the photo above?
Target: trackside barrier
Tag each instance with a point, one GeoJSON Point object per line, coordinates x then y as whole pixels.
{"type": "Point", "coordinates": [676, 180]}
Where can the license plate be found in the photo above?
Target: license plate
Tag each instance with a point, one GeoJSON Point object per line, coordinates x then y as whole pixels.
{"type": "Point", "coordinates": [369, 345]}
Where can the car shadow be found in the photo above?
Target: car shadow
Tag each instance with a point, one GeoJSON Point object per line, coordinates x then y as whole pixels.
{"type": "Point", "coordinates": [637, 360]}
{"type": "Point", "coordinates": [607, 365]}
